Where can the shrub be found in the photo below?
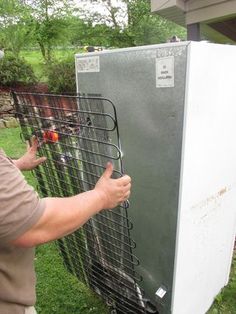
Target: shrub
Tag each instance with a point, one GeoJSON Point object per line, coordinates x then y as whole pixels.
{"type": "Point", "coordinates": [61, 77]}
{"type": "Point", "coordinates": [15, 70]}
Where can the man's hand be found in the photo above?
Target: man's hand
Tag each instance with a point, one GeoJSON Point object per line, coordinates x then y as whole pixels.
{"type": "Point", "coordinates": [113, 191]}
{"type": "Point", "coordinates": [63, 216]}
{"type": "Point", "coordinates": [29, 160]}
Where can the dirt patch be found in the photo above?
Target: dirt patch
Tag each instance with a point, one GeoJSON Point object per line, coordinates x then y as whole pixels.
{"type": "Point", "coordinates": [37, 88]}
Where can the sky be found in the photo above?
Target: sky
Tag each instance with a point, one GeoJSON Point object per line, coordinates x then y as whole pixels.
{"type": "Point", "coordinates": [101, 8]}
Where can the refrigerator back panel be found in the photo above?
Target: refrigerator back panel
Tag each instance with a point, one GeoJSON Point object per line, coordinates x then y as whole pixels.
{"type": "Point", "coordinates": [175, 109]}
{"type": "Point", "coordinates": [151, 122]}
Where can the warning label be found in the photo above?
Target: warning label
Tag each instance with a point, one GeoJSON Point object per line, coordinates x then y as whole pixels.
{"type": "Point", "coordinates": [165, 76]}
{"type": "Point", "coordinates": [88, 64]}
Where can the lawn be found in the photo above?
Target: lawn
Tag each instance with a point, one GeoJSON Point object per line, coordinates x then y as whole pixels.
{"type": "Point", "coordinates": [34, 57]}
{"type": "Point", "coordinates": [58, 292]}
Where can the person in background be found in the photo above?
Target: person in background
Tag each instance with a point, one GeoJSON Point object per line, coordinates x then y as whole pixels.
{"type": "Point", "coordinates": [174, 39]}
{"type": "Point", "coordinates": [1, 53]}
{"type": "Point", "coordinates": [27, 221]}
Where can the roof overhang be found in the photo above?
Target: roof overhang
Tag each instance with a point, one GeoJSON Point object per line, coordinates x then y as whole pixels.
{"type": "Point", "coordinates": [217, 18]}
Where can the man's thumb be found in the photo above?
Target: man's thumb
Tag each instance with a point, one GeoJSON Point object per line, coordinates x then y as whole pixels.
{"type": "Point", "coordinates": [108, 172]}
{"type": "Point", "coordinates": [40, 160]}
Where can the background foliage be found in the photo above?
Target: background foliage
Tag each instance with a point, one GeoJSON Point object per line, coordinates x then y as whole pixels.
{"type": "Point", "coordinates": [47, 24]}
{"type": "Point", "coordinates": [51, 25]}
{"type": "Point", "coordinates": [61, 76]}
{"type": "Point", "coordinates": [14, 69]}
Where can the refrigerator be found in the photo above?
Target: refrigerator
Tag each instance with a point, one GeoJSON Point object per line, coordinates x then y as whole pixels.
{"type": "Point", "coordinates": [176, 114]}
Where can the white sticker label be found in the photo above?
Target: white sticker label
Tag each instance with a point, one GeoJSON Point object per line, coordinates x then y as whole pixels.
{"type": "Point", "coordinates": [161, 292]}
{"type": "Point", "coordinates": [165, 75]}
{"type": "Point", "coordinates": [88, 64]}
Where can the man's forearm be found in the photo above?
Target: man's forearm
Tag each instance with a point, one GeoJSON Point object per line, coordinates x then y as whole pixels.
{"type": "Point", "coordinates": [61, 217]}
{"type": "Point", "coordinates": [72, 212]}
{"type": "Point", "coordinates": [64, 215]}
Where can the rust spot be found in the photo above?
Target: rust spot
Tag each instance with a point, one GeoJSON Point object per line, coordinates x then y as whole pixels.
{"type": "Point", "coordinates": [222, 191]}
{"type": "Point", "coordinates": [212, 198]}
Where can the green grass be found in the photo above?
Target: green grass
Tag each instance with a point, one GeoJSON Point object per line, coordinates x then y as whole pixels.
{"type": "Point", "coordinates": [34, 57]}
{"type": "Point", "coordinates": [36, 60]}
{"type": "Point", "coordinates": [13, 146]}
{"type": "Point", "coordinates": [59, 292]}
{"type": "Point", "coordinates": [225, 302]}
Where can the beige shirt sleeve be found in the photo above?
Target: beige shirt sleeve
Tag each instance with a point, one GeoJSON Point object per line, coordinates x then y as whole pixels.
{"type": "Point", "coordinates": [20, 206]}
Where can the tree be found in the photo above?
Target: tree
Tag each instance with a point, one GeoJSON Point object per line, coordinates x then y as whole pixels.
{"type": "Point", "coordinates": [49, 23]}
{"type": "Point", "coordinates": [146, 28]}
{"type": "Point", "coordinates": [84, 33]}
{"type": "Point", "coordinates": [14, 24]}
{"type": "Point", "coordinates": [131, 22]}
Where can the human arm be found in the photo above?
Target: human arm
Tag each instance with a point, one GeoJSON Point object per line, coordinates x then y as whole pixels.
{"type": "Point", "coordinates": [64, 215]}
{"type": "Point", "coordinates": [29, 160]}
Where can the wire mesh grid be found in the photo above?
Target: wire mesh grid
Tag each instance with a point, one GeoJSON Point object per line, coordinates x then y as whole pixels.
{"type": "Point", "coordinates": [79, 135]}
